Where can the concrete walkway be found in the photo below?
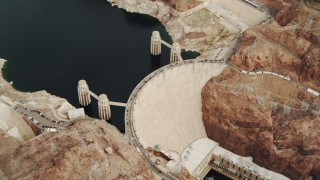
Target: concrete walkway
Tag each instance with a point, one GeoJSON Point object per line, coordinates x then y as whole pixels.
{"type": "Point", "coordinates": [111, 102]}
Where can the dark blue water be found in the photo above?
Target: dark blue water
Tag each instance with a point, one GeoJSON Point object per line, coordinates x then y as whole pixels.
{"type": "Point", "coordinates": [51, 44]}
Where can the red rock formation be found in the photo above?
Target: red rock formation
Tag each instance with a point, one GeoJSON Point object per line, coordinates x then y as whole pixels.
{"type": "Point", "coordinates": [284, 45]}
{"type": "Point", "coordinates": [258, 52]}
{"type": "Point", "coordinates": [182, 5]}
{"type": "Point", "coordinates": [285, 143]}
{"type": "Point", "coordinates": [34, 128]}
{"type": "Point", "coordinates": [78, 152]}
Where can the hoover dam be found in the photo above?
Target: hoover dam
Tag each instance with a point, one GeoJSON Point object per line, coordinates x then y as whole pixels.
{"type": "Point", "coordinates": [167, 108]}
{"type": "Point", "coordinates": [164, 115]}
{"type": "Point", "coordinates": [242, 109]}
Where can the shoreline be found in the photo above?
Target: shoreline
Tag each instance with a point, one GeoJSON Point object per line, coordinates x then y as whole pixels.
{"type": "Point", "coordinates": [56, 105]}
{"type": "Point", "coordinates": [42, 100]}
{"type": "Point", "coordinates": [166, 15]}
{"type": "Point", "coordinates": [197, 29]}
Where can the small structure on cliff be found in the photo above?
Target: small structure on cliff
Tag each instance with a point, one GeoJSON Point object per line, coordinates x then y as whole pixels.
{"type": "Point", "coordinates": [167, 161]}
{"type": "Point", "coordinates": [108, 150]}
{"type": "Point", "coordinates": [174, 164]}
{"type": "Point", "coordinates": [76, 113]}
{"type": "Point", "coordinates": [157, 150]}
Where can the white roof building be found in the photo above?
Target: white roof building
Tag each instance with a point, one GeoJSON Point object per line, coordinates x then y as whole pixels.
{"type": "Point", "coordinates": [76, 113]}
{"type": "Point", "coordinates": [196, 154]}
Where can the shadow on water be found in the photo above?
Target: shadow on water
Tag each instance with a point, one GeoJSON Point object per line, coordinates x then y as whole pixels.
{"type": "Point", "coordinates": [146, 21]}
{"type": "Point", "coordinates": [116, 114]}
{"type": "Point", "coordinates": [189, 54]}
{"type": "Point", "coordinates": [155, 61]}
{"type": "Point", "coordinates": [141, 20]}
{"type": "Point", "coordinates": [87, 109]}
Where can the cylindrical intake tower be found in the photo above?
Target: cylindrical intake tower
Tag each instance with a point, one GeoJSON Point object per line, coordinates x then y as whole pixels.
{"type": "Point", "coordinates": [175, 54]}
{"type": "Point", "coordinates": [104, 107]}
{"type": "Point", "coordinates": [83, 93]}
{"type": "Point", "coordinates": [155, 47]}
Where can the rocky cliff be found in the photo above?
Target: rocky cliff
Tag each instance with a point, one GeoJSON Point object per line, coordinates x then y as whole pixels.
{"type": "Point", "coordinates": [274, 121]}
{"type": "Point", "coordinates": [259, 116]}
{"type": "Point", "coordinates": [86, 149]}
{"type": "Point", "coordinates": [182, 5]}
{"type": "Point", "coordinates": [290, 44]}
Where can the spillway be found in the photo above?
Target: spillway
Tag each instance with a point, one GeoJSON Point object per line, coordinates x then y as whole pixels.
{"type": "Point", "coordinates": [166, 108]}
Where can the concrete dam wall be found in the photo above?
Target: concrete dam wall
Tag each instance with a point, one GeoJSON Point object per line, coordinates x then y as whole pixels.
{"type": "Point", "coordinates": [167, 108]}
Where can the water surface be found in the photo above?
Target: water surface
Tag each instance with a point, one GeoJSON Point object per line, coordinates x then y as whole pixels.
{"type": "Point", "coordinates": [51, 44]}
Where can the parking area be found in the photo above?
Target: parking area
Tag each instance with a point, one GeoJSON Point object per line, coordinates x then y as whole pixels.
{"type": "Point", "coordinates": [39, 119]}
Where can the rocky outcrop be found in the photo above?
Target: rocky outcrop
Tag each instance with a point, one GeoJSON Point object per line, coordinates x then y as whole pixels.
{"type": "Point", "coordinates": [288, 45]}
{"type": "Point", "coordinates": [310, 66]}
{"type": "Point", "coordinates": [36, 130]}
{"type": "Point", "coordinates": [78, 152]}
{"type": "Point", "coordinates": [256, 52]}
{"type": "Point", "coordinates": [182, 5]}
{"type": "Point", "coordinates": [249, 116]}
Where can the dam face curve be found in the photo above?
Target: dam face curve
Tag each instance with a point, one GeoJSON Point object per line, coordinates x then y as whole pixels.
{"type": "Point", "coordinates": [165, 107]}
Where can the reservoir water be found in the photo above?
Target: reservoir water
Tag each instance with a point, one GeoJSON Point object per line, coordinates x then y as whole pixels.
{"type": "Point", "coordinates": [51, 44]}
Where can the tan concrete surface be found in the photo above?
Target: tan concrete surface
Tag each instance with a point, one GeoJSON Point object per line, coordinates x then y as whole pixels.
{"type": "Point", "coordinates": [168, 107]}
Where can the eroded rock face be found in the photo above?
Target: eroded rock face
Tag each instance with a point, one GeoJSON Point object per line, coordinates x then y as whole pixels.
{"type": "Point", "coordinates": [238, 113]}
{"type": "Point", "coordinates": [289, 45]}
{"type": "Point", "coordinates": [78, 152]}
{"type": "Point", "coordinates": [255, 52]}
{"type": "Point", "coordinates": [181, 5]}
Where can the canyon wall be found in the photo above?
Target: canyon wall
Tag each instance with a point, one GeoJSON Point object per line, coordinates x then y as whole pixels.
{"type": "Point", "coordinates": [261, 116]}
